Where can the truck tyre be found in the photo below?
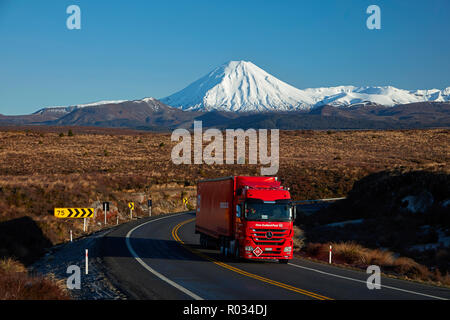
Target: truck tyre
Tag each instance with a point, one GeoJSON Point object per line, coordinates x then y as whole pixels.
{"type": "Point", "coordinates": [226, 249]}
{"type": "Point", "coordinates": [236, 252]}
{"type": "Point", "coordinates": [202, 241]}
{"type": "Point", "coordinates": [283, 261]}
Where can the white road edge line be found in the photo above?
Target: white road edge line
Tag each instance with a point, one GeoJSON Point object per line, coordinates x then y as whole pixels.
{"type": "Point", "coordinates": [357, 280]}
{"type": "Point", "coordinates": [156, 273]}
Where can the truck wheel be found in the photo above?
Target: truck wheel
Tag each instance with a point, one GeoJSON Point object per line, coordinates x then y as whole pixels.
{"type": "Point", "coordinates": [202, 241]}
{"type": "Point", "coordinates": [236, 252]}
{"type": "Point", "coordinates": [226, 249]}
{"type": "Point", "coordinates": [283, 261]}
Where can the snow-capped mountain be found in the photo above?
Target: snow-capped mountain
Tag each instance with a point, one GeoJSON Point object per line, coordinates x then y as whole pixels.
{"type": "Point", "coordinates": [241, 86]}
{"type": "Point", "coordinates": [342, 96]}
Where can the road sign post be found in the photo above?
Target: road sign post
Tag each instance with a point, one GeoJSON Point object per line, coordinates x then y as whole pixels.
{"type": "Point", "coordinates": [75, 213]}
{"type": "Point", "coordinates": [131, 206]}
{"type": "Point", "coordinates": [185, 202]}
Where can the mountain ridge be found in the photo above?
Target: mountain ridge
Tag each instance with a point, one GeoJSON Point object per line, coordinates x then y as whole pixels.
{"type": "Point", "coordinates": [241, 86]}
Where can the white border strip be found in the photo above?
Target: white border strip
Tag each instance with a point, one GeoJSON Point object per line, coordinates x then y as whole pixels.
{"type": "Point", "coordinates": [357, 280]}
{"type": "Point", "coordinates": [156, 273]}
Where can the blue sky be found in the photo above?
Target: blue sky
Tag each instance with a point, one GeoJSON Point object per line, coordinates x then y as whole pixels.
{"type": "Point", "coordinates": [135, 49]}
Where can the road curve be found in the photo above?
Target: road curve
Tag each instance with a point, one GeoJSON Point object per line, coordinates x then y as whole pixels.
{"type": "Point", "coordinates": [160, 258]}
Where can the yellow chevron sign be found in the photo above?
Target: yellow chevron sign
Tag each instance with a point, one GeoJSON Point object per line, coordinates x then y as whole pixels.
{"type": "Point", "coordinates": [74, 213]}
{"type": "Point", "coordinates": [185, 200]}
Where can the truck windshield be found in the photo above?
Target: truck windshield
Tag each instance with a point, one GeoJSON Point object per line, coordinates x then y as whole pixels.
{"type": "Point", "coordinates": [263, 211]}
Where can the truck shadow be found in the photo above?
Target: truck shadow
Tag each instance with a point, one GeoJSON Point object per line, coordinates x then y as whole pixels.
{"type": "Point", "coordinates": [144, 248]}
{"type": "Point", "coordinates": [158, 249]}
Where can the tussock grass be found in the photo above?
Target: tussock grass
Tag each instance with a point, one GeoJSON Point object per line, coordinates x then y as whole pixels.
{"type": "Point", "coordinates": [17, 284]}
{"type": "Point", "coordinates": [298, 238]}
{"type": "Point", "coordinates": [10, 265]}
{"type": "Point", "coordinates": [354, 254]}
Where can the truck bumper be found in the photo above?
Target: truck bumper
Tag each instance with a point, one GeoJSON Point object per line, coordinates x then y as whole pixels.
{"type": "Point", "coordinates": [267, 253]}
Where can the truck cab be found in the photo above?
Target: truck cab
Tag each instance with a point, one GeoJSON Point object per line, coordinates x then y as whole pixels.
{"type": "Point", "coordinates": [246, 217]}
{"type": "Point", "coordinates": [264, 219]}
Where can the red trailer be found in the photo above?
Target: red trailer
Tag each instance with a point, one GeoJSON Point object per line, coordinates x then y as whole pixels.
{"type": "Point", "coordinates": [247, 217]}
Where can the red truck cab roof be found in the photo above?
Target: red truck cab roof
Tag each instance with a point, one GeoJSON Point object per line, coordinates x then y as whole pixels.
{"type": "Point", "coordinates": [263, 188]}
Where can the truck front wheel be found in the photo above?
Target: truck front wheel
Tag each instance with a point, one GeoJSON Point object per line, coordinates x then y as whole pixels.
{"type": "Point", "coordinates": [283, 261]}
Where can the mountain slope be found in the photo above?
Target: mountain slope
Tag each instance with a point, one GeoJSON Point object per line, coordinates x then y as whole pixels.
{"type": "Point", "coordinates": [149, 113]}
{"type": "Point", "coordinates": [239, 86]}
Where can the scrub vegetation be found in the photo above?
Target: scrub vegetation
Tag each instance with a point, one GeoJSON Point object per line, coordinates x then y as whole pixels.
{"type": "Point", "coordinates": [41, 169]}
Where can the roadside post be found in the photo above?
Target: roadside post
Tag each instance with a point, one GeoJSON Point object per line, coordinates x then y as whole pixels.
{"type": "Point", "coordinates": [105, 209]}
{"type": "Point", "coordinates": [84, 225]}
{"type": "Point", "coordinates": [71, 235]}
{"type": "Point", "coordinates": [329, 257]}
{"type": "Point", "coordinates": [149, 204]}
{"type": "Point", "coordinates": [131, 206]}
{"type": "Point", "coordinates": [87, 264]}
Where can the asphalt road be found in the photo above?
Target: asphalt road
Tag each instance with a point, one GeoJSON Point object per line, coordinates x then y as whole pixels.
{"type": "Point", "coordinates": [160, 258]}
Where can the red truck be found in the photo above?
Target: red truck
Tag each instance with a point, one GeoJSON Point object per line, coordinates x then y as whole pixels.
{"type": "Point", "coordinates": [246, 217]}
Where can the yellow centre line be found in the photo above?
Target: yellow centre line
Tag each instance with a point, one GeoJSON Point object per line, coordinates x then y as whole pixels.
{"type": "Point", "coordinates": [240, 271]}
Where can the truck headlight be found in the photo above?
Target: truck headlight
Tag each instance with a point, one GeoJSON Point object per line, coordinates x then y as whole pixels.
{"type": "Point", "coordinates": [248, 248]}
{"type": "Point", "coordinates": [287, 249]}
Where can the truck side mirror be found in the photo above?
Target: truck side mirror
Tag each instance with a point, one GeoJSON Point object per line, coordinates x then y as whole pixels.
{"type": "Point", "coordinates": [238, 211]}
{"type": "Point", "coordinates": [294, 208]}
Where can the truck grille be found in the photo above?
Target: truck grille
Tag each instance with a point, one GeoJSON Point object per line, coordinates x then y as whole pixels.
{"type": "Point", "coordinates": [269, 236]}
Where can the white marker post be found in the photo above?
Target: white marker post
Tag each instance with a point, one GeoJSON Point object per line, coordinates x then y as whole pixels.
{"type": "Point", "coordinates": [87, 266]}
{"type": "Point", "coordinates": [149, 204]}
{"type": "Point", "coordinates": [84, 224]}
{"type": "Point", "coordinates": [117, 220]}
{"type": "Point", "coordinates": [105, 209]}
{"type": "Point", "coordinates": [329, 258]}
{"type": "Point", "coordinates": [71, 240]}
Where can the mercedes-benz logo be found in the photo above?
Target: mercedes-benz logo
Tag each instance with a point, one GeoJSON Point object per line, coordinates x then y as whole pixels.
{"type": "Point", "coordinates": [269, 234]}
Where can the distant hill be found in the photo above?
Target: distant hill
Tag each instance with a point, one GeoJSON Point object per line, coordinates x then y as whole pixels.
{"type": "Point", "coordinates": [153, 115]}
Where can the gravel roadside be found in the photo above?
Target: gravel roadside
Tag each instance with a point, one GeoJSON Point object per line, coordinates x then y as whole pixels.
{"type": "Point", "coordinates": [95, 285]}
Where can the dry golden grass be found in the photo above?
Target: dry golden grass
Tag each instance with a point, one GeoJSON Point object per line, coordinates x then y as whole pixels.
{"type": "Point", "coordinates": [16, 284]}
{"type": "Point", "coordinates": [353, 254]}
{"type": "Point", "coordinates": [10, 265]}
{"type": "Point", "coordinates": [298, 238]}
{"type": "Point", "coordinates": [314, 163]}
